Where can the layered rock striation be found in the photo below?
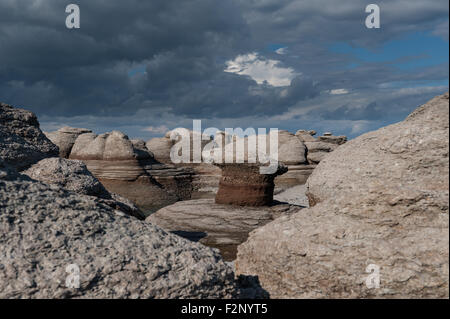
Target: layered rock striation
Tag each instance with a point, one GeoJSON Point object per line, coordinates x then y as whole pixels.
{"type": "Point", "coordinates": [129, 169]}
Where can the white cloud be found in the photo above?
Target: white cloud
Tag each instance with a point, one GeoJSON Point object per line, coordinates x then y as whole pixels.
{"type": "Point", "coordinates": [281, 51]}
{"type": "Point", "coordinates": [338, 91]}
{"type": "Point", "coordinates": [261, 69]}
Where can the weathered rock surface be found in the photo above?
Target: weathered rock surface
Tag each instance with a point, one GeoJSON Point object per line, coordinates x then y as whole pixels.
{"type": "Point", "coordinates": [306, 136]}
{"type": "Point", "coordinates": [73, 175]}
{"type": "Point", "coordinates": [65, 137]}
{"type": "Point", "coordinates": [319, 148]}
{"type": "Point", "coordinates": [216, 225]}
{"type": "Point", "coordinates": [22, 143]}
{"type": "Point", "coordinates": [379, 199]}
{"type": "Point", "coordinates": [244, 185]}
{"type": "Point", "coordinates": [127, 168]}
{"type": "Point", "coordinates": [160, 147]}
{"type": "Point", "coordinates": [291, 150]}
{"type": "Point", "coordinates": [338, 140]}
{"type": "Point", "coordinates": [44, 229]}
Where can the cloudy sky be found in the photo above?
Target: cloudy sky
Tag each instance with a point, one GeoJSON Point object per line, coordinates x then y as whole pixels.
{"type": "Point", "coordinates": [144, 67]}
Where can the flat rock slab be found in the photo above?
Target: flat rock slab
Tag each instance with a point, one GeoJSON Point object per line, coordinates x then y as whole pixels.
{"type": "Point", "coordinates": [217, 225]}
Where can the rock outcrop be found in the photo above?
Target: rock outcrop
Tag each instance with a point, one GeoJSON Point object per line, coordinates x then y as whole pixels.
{"type": "Point", "coordinates": [292, 152]}
{"type": "Point", "coordinates": [216, 225]}
{"type": "Point", "coordinates": [47, 232]}
{"type": "Point", "coordinates": [380, 202]}
{"type": "Point", "coordinates": [74, 176]}
{"type": "Point", "coordinates": [127, 168]}
{"type": "Point", "coordinates": [318, 148]}
{"type": "Point", "coordinates": [160, 147]}
{"type": "Point", "coordinates": [205, 176]}
{"type": "Point", "coordinates": [65, 137]}
{"type": "Point", "coordinates": [22, 143]}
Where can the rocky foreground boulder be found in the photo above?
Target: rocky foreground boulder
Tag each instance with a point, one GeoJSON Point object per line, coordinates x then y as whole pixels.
{"type": "Point", "coordinates": [381, 204]}
{"type": "Point", "coordinates": [22, 143]}
{"type": "Point", "coordinates": [47, 234]}
{"type": "Point", "coordinates": [74, 176]}
{"type": "Point", "coordinates": [65, 137]}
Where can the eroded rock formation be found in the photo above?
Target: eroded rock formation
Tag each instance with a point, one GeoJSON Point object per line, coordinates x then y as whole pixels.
{"type": "Point", "coordinates": [65, 137]}
{"type": "Point", "coordinates": [129, 169]}
{"type": "Point", "coordinates": [205, 177]}
{"type": "Point", "coordinates": [244, 185]}
{"type": "Point", "coordinates": [380, 199]}
{"type": "Point", "coordinates": [73, 175]}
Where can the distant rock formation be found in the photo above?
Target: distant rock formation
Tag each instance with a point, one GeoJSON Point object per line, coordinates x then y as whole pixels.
{"type": "Point", "coordinates": [65, 137]}
{"type": "Point", "coordinates": [205, 177]}
{"type": "Point", "coordinates": [22, 143]}
{"type": "Point", "coordinates": [73, 175]}
{"type": "Point", "coordinates": [318, 148]}
{"type": "Point", "coordinates": [117, 256]}
{"type": "Point", "coordinates": [300, 153]}
{"type": "Point", "coordinates": [243, 202]}
{"type": "Point", "coordinates": [380, 200]}
{"type": "Point", "coordinates": [127, 168]}
{"type": "Point", "coordinates": [48, 231]}
{"type": "Point", "coordinates": [244, 185]}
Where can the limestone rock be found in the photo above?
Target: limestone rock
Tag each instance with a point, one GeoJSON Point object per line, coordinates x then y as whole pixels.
{"type": "Point", "coordinates": [65, 137]}
{"type": "Point", "coordinates": [129, 169]}
{"type": "Point", "coordinates": [160, 147]}
{"type": "Point", "coordinates": [73, 175]}
{"type": "Point", "coordinates": [7, 172]}
{"type": "Point", "coordinates": [396, 163]}
{"type": "Point", "coordinates": [22, 143]}
{"type": "Point", "coordinates": [295, 195]}
{"type": "Point", "coordinates": [244, 185]}
{"type": "Point", "coordinates": [44, 229]}
{"type": "Point", "coordinates": [291, 151]}
{"type": "Point", "coordinates": [380, 199]}
{"type": "Point", "coordinates": [296, 175]}
{"type": "Point", "coordinates": [305, 136]}
{"type": "Point", "coordinates": [142, 150]}
{"type": "Point", "coordinates": [216, 225]}
{"type": "Point", "coordinates": [317, 150]}
{"type": "Point", "coordinates": [329, 138]}
{"type": "Point", "coordinates": [68, 174]}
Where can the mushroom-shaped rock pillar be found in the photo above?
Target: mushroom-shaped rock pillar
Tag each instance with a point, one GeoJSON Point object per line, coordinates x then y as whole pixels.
{"type": "Point", "coordinates": [242, 184]}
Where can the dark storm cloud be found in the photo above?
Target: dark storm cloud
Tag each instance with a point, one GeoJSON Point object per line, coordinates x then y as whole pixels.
{"type": "Point", "coordinates": [181, 47]}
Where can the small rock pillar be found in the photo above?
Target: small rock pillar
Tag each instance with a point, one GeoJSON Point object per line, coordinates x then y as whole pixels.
{"type": "Point", "coordinates": [243, 185]}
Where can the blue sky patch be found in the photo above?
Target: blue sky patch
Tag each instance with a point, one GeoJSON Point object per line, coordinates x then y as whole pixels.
{"type": "Point", "coordinates": [412, 51]}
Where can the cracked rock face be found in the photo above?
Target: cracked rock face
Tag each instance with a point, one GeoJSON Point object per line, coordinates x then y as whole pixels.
{"type": "Point", "coordinates": [22, 143]}
{"type": "Point", "coordinates": [44, 229]}
{"type": "Point", "coordinates": [65, 137]}
{"type": "Point", "coordinates": [74, 176]}
{"type": "Point", "coordinates": [379, 199]}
